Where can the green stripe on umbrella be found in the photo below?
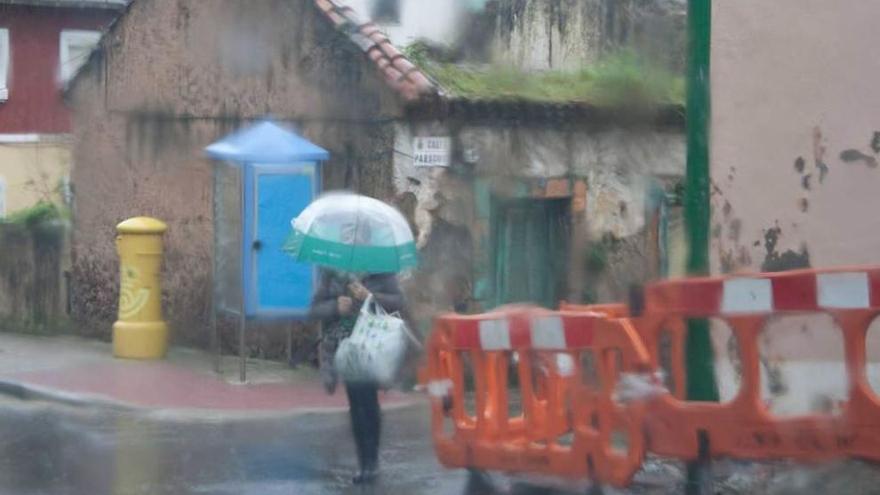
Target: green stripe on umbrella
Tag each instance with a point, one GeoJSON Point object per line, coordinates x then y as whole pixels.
{"type": "Point", "coordinates": [352, 258]}
{"type": "Point", "coordinates": [353, 233]}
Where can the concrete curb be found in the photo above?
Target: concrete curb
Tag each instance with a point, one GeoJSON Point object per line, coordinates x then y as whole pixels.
{"type": "Point", "coordinates": [224, 416]}
{"type": "Point", "coordinates": [26, 392]}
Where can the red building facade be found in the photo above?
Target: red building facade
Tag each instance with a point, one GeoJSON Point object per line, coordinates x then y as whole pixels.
{"type": "Point", "coordinates": [36, 33]}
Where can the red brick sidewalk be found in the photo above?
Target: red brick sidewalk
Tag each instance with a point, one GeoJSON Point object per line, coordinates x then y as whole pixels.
{"type": "Point", "coordinates": [83, 372]}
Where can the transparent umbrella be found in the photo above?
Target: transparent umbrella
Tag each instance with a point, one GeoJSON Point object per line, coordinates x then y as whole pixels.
{"type": "Point", "coordinates": [353, 233]}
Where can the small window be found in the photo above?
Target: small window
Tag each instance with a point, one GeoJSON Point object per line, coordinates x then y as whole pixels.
{"type": "Point", "coordinates": [4, 64]}
{"type": "Point", "coordinates": [66, 191]}
{"type": "Point", "coordinates": [386, 11]}
{"type": "Point", "coordinates": [2, 197]}
{"type": "Point", "coordinates": [76, 46]}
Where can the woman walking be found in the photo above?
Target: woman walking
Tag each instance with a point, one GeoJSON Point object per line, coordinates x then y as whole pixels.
{"type": "Point", "coordinates": [362, 243]}
{"type": "Point", "coordinates": [337, 303]}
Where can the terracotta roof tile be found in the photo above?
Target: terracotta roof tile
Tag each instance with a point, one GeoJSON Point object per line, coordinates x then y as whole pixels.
{"type": "Point", "coordinates": [337, 18]}
{"type": "Point", "coordinates": [368, 29]}
{"type": "Point", "coordinates": [393, 75]}
{"type": "Point", "coordinates": [365, 44]}
{"type": "Point", "coordinates": [390, 50]}
{"type": "Point", "coordinates": [403, 64]}
{"type": "Point", "coordinates": [324, 5]}
{"type": "Point", "coordinates": [400, 73]}
{"type": "Point", "coordinates": [418, 78]}
{"type": "Point", "coordinates": [382, 63]}
{"type": "Point", "coordinates": [375, 54]}
{"type": "Point", "coordinates": [378, 37]}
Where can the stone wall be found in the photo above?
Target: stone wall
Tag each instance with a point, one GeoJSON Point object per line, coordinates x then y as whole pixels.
{"type": "Point", "coordinates": [171, 78]}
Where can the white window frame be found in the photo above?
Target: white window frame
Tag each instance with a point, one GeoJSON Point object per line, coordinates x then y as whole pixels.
{"type": "Point", "coordinates": [5, 64]}
{"type": "Point", "coordinates": [71, 37]}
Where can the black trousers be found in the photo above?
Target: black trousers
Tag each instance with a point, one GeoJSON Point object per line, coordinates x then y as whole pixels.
{"type": "Point", "coordinates": [366, 421]}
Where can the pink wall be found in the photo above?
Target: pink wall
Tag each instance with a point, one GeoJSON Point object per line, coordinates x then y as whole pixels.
{"type": "Point", "coordinates": [35, 104]}
{"type": "Point", "coordinates": [795, 96]}
{"type": "Point", "coordinates": [795, 82]}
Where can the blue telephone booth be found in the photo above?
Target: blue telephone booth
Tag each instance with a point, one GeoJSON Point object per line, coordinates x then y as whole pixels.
{"type": "Point", "coordinates": [265, 176]}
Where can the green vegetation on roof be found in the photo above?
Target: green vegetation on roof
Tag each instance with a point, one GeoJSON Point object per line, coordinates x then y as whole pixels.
{"type": "Point", "coordinates": [619, 80]}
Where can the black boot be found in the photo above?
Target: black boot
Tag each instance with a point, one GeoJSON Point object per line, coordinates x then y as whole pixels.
{"type": "Point", "coordinates": [367, 474]}
{"type": "Point", "coordinates": [366, 422]}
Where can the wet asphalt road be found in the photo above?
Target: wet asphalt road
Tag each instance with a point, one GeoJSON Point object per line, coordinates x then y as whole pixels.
{"type": "Point", "coordinates": [48, 449]}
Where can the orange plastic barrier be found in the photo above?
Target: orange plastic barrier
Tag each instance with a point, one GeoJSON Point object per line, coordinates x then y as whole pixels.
{"type": "Point", "coordinates": [607, 310]}
{"type": "Point", "coordinates": [566, 365]}
{"type": "Point", "coordinates": [743, 427]}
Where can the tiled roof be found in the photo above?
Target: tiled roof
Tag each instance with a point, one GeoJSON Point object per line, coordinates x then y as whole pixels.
{"type": "Point", "coordinates": [397, 70]}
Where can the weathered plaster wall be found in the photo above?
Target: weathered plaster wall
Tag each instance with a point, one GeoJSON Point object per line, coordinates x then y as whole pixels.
{"type": "Point", "coordinates": [174, 77]}
{"type": "Point", "coordinates": [542, 34]}
{"type": "Point", "coordinates": [794, 149]}
{"type": "Point", "coordinates": [605, 174]}
{"type": "Point", "coordinates": [615, 162]}
{"type": "Point", "coordinates": [567, 34]}
{"type": "Point", "coordinates": [548, 34]}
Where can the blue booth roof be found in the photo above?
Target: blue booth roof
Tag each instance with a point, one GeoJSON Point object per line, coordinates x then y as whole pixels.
{"type": "Point", "coordinates": [266, 142]}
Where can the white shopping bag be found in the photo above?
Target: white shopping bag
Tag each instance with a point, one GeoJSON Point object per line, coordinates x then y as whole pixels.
{"type": "Point", "coordinates": [375, 350]}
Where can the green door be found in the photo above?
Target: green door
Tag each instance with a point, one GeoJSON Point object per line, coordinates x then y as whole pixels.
{"type": "Point", "coordinates": [530, 249]}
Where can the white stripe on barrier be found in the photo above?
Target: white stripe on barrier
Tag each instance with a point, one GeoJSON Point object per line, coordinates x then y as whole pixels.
{"type": "Point", "coordinates": [564, 365]}
{"type": "Point", "coordinates": [548, 333]}
{"type": "Point", "coordinates": [843, 290]}
{"type": "Point", "coordinates": [494, 335]}
{"type": "Point", "coordinates": [440, 388]}
{"type": "Point", "coordinates": [747, 295]}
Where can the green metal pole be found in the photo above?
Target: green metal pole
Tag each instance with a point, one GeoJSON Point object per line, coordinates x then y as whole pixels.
{"type": "Point", "coordinates": [701, 385]}
{"type": "Point", "coordinates": [701, 376]}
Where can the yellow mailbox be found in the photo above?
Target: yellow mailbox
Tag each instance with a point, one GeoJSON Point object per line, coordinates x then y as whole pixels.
{"type": "Point", "coordinates": [140, 332]}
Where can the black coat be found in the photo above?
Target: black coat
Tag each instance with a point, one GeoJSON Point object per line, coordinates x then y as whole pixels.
{"type": "Point", "coordinates": [384, 287]}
